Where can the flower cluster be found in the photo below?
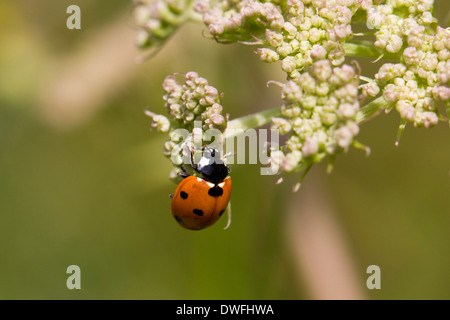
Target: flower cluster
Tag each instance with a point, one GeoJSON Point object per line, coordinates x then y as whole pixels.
{"type": "Point", "coordinates": [296, 32]}
{"type": "Point", "coordinates": [191, 101]}
{"type": "Point", "coordinates": [319, 110]}
{"type": "Point", "coordinates": [157, 20]}
{"type": "Point", "coordinates": [422, 78]}
{"type": "Point", "coordinates": [320, 97]}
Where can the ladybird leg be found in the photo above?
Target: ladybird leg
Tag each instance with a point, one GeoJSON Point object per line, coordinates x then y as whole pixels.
{"type": "Point", "coordinates": [192, 162]}
{"type": "Point", "coordinates": [229, 216]}
{"type": "Point", "coordinates": [182, 168]}
{"type": "Point", "coordinates": [183, 174]}
{"type": "Point", "coordinates": [171, 195]}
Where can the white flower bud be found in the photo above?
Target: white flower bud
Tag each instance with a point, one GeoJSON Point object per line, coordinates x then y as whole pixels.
{"type": "Point", "coordinates": [430, 61]}
{"type": "Point", "coordinates": [405, 109]}
{"type": "Point", "coordinates": [306, 25]}
{"type": "Point", "coordinates": [202, 6]}
{"type": "Point", "coordinates": [394, 44]}
{"type": "Point", "coordinates": [143, 39]}
{"type": "Point", "coordinates": [273, 38]}
{"type": "Point", "coordinates": [343, 137]}
{"type": "Point", "coordinates": [322, 69]}
{"type": "Point", "coordinates": [366, 4]}
{"type": "Point", "coordinates": [442, 93]}
{"type": "Point", "coordinates": [322, 89]}
{"type": "Point", "coordinates": [337, 57]}
{"type": "Point", "coordinates": [316, 34]}
{"type": "Point", "coordinates": [443, 54]}
{"type": "Point", "coordinates": [217, 119]}
{"type": "Point", "coordinates": [310, 147]}
{"type": "Point", "coordinates": [426, 18]}
{"type": "Point", "coordinates": [329, 118]}
{"type": "Point", "coordinates": [428, 119]}
{"type": "Point", "coordinates": [234, 22]}
{"type": "Point", "coordinates": [276, 159]}
{"type": "Point", "coordinates": [217, 27]}
{"type": "Point", "coordinates": [317, 52]}
{"type": "Point", "coordinates": [284, 49]}
{"type": "Point", "coordinates": [290, 28]}
{"type": "Point", "coordinates": [288, 64]}
{"type": "Point", "coordinates": [348, 110]}
{"type": "Point", "coordinates": [282, 125]}
{"type": "Point", "coordinates": [291, 161]}
{"type": "Point", "coordinates": [307, 82]}
{"type": "Point", "coordinates": [371, 88]}
{"type": "Point", "coordinates": [267, 55]}
{"type": "Point", "coordinates": [346, 73]}
{"type": "Point", "coordinates": [309, 102]}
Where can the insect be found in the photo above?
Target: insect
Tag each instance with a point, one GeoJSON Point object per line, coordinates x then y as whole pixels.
{"type": "Point", "coordinates": [198, 202]}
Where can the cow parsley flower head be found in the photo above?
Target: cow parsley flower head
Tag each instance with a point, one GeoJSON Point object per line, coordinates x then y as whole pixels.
{"type": "Point", "coordinates": [322, 100]}
{"type": "Point", "coordinates": [189, 102]}
{"type": "Point", "coordinates": [415, 85]}
{"type": "Point", "coordinates": [318, 114]}
{"type": "Point", "coordinates": [297, 33]}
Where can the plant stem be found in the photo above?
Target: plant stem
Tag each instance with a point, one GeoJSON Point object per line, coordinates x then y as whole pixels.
{"type": "Point", "coordinates": [254, 120]}
{"type": "Point", "coordinates": [371, 109]}
{"type": "Point", "coordinates": [366, 48]}
{"type": "Point", "coordinates": [261, 118]}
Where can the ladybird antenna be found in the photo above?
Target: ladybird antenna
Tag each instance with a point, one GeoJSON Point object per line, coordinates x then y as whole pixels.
{"type": "Point", "coordinates": [193, 162]}
{"type": "Point", "coordinates": [229, 216]}
{"type": "Point", "coordinates": [229, 154]}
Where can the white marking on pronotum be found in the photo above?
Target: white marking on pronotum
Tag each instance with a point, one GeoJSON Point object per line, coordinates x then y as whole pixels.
{"type": "Point", "coordinates": [199, 179]}
{"type": "Point", "coordinates": [221, 184]}
{"type": "Point", "coordinates": [211, 185]}
{"type": "Point", "coordinates": [203, 162]}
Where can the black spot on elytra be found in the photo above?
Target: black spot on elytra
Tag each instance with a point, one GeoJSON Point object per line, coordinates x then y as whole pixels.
{"type": "Point", "coordinates": [221, 212]}
{"type": "Point", "coordinates": [198, 212]}
{"type": "Point", "coordinates": [179, 220]}
{"type": "Point", "coordinates": [183, 195]}
{"type": "Point", "coordinates": [215, 191]}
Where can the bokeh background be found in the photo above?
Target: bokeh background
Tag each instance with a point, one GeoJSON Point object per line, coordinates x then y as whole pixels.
{"type": "Point", "coordinates": [83, 181]}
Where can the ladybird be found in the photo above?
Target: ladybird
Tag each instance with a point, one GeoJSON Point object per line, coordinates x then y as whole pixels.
{"type": "Point", "coordinates": [198, 202]}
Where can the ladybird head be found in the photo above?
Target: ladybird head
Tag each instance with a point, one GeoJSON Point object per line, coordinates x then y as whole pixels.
{"type": "Point", "coordinates": [211, 166]}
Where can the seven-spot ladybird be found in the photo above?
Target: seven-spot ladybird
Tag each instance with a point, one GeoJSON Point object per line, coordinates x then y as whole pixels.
{"type": "Point", "coordinates": [198, 202]}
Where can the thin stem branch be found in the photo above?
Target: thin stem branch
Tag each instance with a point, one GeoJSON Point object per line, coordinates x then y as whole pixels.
{"type": "Point", "coordinates": [261, 118]}
{"type": "Point", "coordinates": [367, 49]}
{"type": "Point", "coordinates": [254, 120]}
{"type": "Point", "coordinates": [370, 109]}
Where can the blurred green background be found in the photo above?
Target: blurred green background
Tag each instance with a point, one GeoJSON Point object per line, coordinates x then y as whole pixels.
{"type": "Point", "coordinates": [83, 181]}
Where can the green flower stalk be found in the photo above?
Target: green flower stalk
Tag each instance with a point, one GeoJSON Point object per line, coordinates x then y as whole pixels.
{"type": "Point", "coordinates": [158, 20]}
{"type": "Point", "coordinates": [325, 98]}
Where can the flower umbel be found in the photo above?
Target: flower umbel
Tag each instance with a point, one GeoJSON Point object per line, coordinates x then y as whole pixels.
{"type": "Point", "coordinates": [320, 108]}
{"type": "Point", "coordinates": [420, 80]}
{"type": "Point", "coordinates": [188, 102]}
{"type": "Point", "coordinates": [323, 102]}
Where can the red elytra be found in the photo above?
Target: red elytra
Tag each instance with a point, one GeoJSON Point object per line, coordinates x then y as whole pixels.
{"type": "Point", "coordinates": [197, 203]}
